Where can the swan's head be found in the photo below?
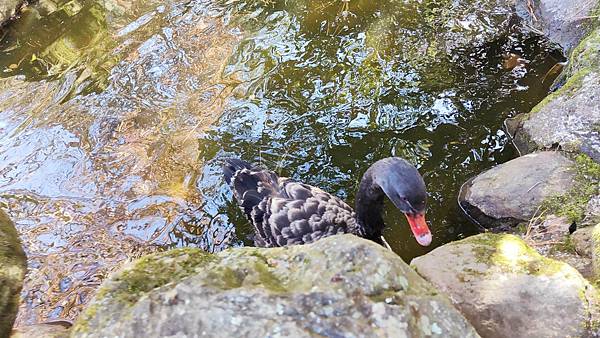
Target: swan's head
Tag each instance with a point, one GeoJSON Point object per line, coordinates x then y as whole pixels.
{"type": "Point", "coordinates": [404, 186]}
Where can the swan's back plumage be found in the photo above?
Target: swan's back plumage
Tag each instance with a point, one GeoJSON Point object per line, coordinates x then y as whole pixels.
{"type": "Point", "coordinates": [286, 212]}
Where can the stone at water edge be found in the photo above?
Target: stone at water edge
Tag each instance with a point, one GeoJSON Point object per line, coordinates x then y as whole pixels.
{"type": "Point", "coordinates": [340, 286]}
{"type": "Point", "coordinates": [506, 289]}
{"type": "Point", "coordinates": [13, 266]}
{"type": "Point", "coordinates": [512, 192]}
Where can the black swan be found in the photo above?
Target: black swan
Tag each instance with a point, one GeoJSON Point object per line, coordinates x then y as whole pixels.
{"type": "Point", "coordinates": [285, 212]}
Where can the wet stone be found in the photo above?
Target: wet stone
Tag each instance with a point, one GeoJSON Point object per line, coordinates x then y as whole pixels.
{"type": "Point", "coordinates": [512, 192]}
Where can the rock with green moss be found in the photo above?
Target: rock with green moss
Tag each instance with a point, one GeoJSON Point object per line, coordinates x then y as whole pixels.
{"type": "Point", "coordinates": [341, 286]}
{"type": "Point", "coordinates": [570, 117]}
{"type": "Point", "coordinates": [579, 203]}
{"type": "Point", "coordinates": [506, 289]}
{"type": "Point", "coordinates": [13, 266]}
{"type": "Point", "coordinates": [514, 191]}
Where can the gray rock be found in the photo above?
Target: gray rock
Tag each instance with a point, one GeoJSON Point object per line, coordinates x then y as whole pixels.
{"type": "Point", "coordinates": [564, 22]}
{"type": "Point", "coordinates": [570, 117]}
{"type": "Point", "coordinates": [592, 212]}
{"type": "Point", "coordinates": [341, 286]}
{"type": "Point", "coordinates": [8, 8]}
{"type": "Point", "coordinates": [506, 289]}
{"type": "Point", "coordinates": [582, 241]}
{"type": "Point", "coordinates": [512, 192]}
{"type": "Point", "coordinates": [13, 266]}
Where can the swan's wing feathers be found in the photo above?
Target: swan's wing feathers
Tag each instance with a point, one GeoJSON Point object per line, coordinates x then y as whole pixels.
{"type": "Point", "coordinates": [285, 212]}
{"type": "Point", "coordinates": [302, 214]}
{"type": "Point", "coordinates": [252, 186]}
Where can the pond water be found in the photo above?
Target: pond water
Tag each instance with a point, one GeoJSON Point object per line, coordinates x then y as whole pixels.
{"type": "Point", "coordinates": [114, 114]}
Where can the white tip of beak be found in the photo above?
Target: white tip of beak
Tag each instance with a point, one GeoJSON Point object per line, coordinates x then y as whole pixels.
{"type": "Point", "coordinates": [425, 239]}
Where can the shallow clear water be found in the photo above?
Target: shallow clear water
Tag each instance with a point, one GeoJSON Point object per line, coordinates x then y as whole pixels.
{"type": "Point", "coordinates": [114, 114]}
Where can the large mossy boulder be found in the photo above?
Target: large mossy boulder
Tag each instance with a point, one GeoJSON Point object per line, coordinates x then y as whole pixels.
{"type": "Point", "coordinates": [13, 266]}
{"type": "Point", "coordinates": [506, 289]}
{"type": "Point", "coordinates": [341, 286]}
{"type": "Point", "coordinates": [512, 192]}
{"type": "Point", "coordinates": [570, 117]}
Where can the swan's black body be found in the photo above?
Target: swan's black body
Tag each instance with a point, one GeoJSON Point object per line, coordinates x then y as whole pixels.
{"type": "Point", "coordinates": [285, 212]}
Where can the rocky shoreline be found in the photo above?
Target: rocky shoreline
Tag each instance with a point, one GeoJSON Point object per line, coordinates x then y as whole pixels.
{"type": "Point", "coordinates": [555, 197]}
{"type": "Point", "coordinates": [538, 281]}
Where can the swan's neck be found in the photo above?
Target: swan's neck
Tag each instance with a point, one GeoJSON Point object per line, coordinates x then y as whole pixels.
{"type": "Point", "coordinates": [369, 205]}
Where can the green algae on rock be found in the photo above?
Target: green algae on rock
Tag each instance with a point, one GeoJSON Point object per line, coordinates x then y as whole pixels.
{"type": "Point", "coordinates": [506, 289]}
{"type": "Point", "coordinates": [338, 286]}
{"type": "Point", "coordinates": [575, 202]}
{"type": "Point", "coordinates": [13, 266]}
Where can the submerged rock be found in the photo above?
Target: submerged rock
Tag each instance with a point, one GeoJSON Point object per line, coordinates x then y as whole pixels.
{"type": "Point", "coordinates": [13, 266]}
{"type": "Point", "coordinates": [512, 192]}
{"type": "Point", "coordinates": [506, 289]}
{"type": "Point", "coordinates": [570, 117]}
{"type": "Point", "coordinates": [341, 286]}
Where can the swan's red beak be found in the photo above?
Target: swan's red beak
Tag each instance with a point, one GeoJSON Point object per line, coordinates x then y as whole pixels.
{"type": "Point", "coordinates": [419, 228]}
